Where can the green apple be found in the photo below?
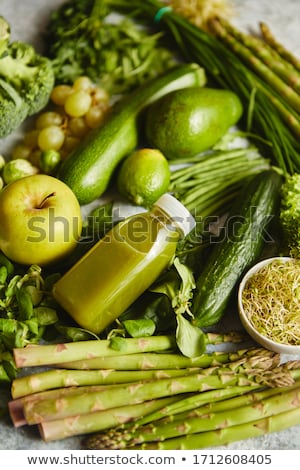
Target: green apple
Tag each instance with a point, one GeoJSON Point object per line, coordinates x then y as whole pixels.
{"type": "Point", "coordinates": [40, 220]}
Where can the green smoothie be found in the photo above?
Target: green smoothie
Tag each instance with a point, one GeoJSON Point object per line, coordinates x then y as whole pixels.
{"type": "Point", "coordinates": [118, 269]}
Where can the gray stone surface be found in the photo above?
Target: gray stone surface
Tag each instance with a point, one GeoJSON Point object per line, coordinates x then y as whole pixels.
{"type": "Point", "coordinates": [27, 19]}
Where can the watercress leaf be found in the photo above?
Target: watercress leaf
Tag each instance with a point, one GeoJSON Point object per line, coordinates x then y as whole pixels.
{"type": "Point", "coordinates": [187, 278]}
{"type": "Point", "coordinates": [45, 315]}
{"type": "Point", "coordinates": [168, 285]}
{"type": "Point", "coordinates": [140, 327]}
{"type": "Point", "coordinates": [33, 326]}
{"type": "Point", "coordinates": [25, 305]}
{"type": "Point", "coordinates": [117, 343]}
{"type": "Point", "coordinates": [74, 333]}
{"type": "Point", "coordinates": [4, 377]}
{"type": "Point", "coordinates": [190, 339]}
{"type": "Point", "coordinates": [3, 275]}
{"type": "Point", "coordinates": [4, 261]}
{"type": "Point", "coordinates": [10, 290]}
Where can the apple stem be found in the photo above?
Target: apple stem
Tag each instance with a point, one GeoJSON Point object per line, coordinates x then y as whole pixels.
{"type": "Point", "coordinates": [46, 199]}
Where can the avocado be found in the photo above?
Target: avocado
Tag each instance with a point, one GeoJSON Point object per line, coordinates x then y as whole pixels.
{"type": "Point", "coordinates": [188, 121]}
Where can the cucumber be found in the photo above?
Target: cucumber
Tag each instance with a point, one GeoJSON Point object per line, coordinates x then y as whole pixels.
{"type": "Point", "coordinates": [89, 169]}
{"type": "Point", "coordinates": [238, 247]}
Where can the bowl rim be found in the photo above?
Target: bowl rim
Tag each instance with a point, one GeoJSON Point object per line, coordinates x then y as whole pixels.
{"type": "Point", "coordinates": [258, 337]}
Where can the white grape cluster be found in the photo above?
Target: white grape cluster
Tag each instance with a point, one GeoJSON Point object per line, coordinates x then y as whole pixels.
{"type": "Point", "coordinates": [72, 112]}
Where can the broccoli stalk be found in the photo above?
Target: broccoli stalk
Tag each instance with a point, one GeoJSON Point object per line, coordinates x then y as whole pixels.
{"type": "Point", "coordinates": [26, 81]}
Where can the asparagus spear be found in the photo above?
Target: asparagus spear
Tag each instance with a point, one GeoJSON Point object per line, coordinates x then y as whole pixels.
{"type": "Point", "coordinates": [290, 96]}
{"type": "Point", "coordinates": [98, 420]}
{"type": "Point", "coordinates": [228, 434]}
{"type": "Point", "coordinates": [37, 355]}
{"type": "Point", "coordinates": [270, 57]}
{"type": "Point", "coordinates": [58, 378]}
{"type": "Point", "coordinates": [137, 392]}
{"type": "Point", "coordinates": [167, 361]}
{"type": "Point", "coordinates": [54, 354]}
{"type": "Point", "coordinates": [269, 404]}
{"type": "Point", "coordinates": [198, 405]}
{"type": "Point", "coordinates": [275, 44]}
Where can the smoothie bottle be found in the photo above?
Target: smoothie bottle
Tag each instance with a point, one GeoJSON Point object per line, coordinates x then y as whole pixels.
{"type": "Point", "coordinates": [123, 264]}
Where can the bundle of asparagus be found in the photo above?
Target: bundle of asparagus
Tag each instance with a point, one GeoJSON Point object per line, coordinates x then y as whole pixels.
{"type": "Point", "coordinates": [168, 388]}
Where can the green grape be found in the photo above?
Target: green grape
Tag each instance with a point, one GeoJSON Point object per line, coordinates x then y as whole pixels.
{"type": "Point", "coordinates": [100, 96]}
{"type": "Point", "coordinates": [60, 93]}
{"type": "Point", "coordinates": [49, 161]}
{"type": "Point", "coordinates": [51, 138]}
{"type": "Point", "coordinates": [83, 83]}
{"type": "Point", "coordinates": [48, 118]}
{"type": "Point", "coordinates": [78, 103]}
{"type": "Point", "coordinates": [70, 143]}
{"type": "Point", "coordinates": [77, 126]}
{"type": "Point", "coordinates": [94, 116]}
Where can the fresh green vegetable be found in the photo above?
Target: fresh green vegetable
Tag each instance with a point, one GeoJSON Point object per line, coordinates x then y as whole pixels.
{"type": "Point", "coordinates": [273, 70]}
{"type": "Point", "coordinates": [58, 353]}
{"type": "Point", "coordinates": [98, 420]}
{"type": "Point", "coordinates": [25, 312]}
{"type": "Point", "coordinates": [186, 122]}
{"type": "Point", "coordinates": [238, 246]}
{"type": "Point", "coordinates": [263, 404]}
{"type": "Point", "coordinates": [89, 169]}
{"type": "Point", "coordinates": [26, 80]}
{"type": "Point", "coordinates": [140, 367]}
{"type": "Point", "coordinates": [16, 169]}
{"type": "Point", "coordinates": [267, 109]}
{"type": "Point", "coordinates": [81, 39]}
{"type": "Point", "coordinates": [211, 182]}
{"type": "Point", "coordinates": [290, 214]}
{"type": "Point", "coordinates": [270, 301]}
{"type": "Point", "coordinates": [153, 360]}
{"type": "Point", "coordinates": [271, 40]}
{"type": "Point", "coordinates": [44, 408]}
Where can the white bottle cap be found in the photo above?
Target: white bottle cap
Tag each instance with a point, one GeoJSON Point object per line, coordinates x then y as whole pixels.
{"type": "Point", "coordinates": [177, 212]}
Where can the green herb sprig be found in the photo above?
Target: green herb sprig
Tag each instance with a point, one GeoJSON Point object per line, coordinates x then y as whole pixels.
{"type": "Point", "coordinates": [25, 311]}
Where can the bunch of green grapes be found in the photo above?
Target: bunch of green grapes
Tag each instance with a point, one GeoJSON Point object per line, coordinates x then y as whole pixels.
{"type": "Point", "coordinates": [72, 112]}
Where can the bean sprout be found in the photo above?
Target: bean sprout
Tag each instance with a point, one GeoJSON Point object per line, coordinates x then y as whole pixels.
{"type": "Point", "coordinates": [271, 301]}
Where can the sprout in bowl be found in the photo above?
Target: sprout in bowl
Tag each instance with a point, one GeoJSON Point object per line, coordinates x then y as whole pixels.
{"type": "Point", "coordinates": [269, 304]}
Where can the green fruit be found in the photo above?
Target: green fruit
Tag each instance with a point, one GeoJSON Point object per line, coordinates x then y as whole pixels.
{"type": "Point", "coordinates": [186, 122]}
{"type": "Point", "coordinates": [144, 176]}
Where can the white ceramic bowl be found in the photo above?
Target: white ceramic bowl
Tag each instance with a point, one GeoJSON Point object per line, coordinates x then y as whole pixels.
{"type": "Point", "coordinates": [259, 338]}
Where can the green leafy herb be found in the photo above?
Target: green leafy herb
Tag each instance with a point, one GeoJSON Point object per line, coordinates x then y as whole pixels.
{"type": "Point", "coordinates": [24, 311]}
{"type": "Point", "coordinates": [178, 285]}
{"type": "Point", "coordinates": [83, 40]}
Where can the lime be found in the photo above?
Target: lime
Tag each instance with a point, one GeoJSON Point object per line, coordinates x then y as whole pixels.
{"type": "Point", "coordinates": [144, 176]}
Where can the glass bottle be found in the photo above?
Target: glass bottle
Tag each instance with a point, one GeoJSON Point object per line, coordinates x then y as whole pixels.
{"type": "Point", "coordinates": [123, 264]}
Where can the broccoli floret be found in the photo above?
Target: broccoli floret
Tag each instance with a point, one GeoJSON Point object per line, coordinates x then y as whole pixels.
{"type": "Point", "coordinates": [290, 213]}
{"type": "Point", "coordinates": [13, 109]}
{"type": "Point", "coordinates": [27, 79]}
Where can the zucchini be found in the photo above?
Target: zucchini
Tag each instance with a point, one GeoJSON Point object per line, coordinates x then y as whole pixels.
{"type": "Point", "coordinates": [88, 170]}
{"type": "Point", "coordinates": [238, 247]}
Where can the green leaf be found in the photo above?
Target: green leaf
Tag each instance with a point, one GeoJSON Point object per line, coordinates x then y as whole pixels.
{"type": "Point", "coordinates": [3, 275]}
{"type": "Point", "coordinates": [168, 285]}
{"type": "Point", "coordinates": [45, 315]}
{"type": "Point", "coordinates": [190, 339]}
{"type": "Point", "coordinates": [140, 328]}
{"type": "Point", "coordinates": [181, 302]}
{"type": "Point", "coordinates": [118, 344]}
{"type": "Point", "coordinates": [24, 303]}
{"type": "Point", "coordinates": [11, 288]}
